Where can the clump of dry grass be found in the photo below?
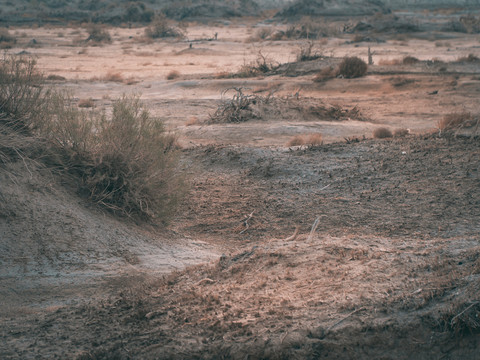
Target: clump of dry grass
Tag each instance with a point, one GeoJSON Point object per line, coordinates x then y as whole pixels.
{"type": "Point", "coordinates": [193, 120]}
{"type": "Point", "coordinates": [86, 103]}
{"type": "Point", "coordinates": [389, 62]}
{"type": "Point", "coordinates": [382, 133]}
{"type": "Point", "coordinates": [296, 140]}
{"type": "Point", "coordinates": [314, 139]}
{"type": "Point", "coordinates": [262, 65]}
{"type": "Point", "coordinates": [54, 77]}
{"type": "Point", "coordinates": [401, 132]}
{"type": "Point", "coordinates": [262, 33]}
{"type": "Point", "coordinates": [410, 60]}
{"type": "Point", "coordinates": [172, 75]}
{"type": "Point", "coordinates": [470, 58]}
{"type": "Point", "coordinates": [97, 35]}
{"type": "Point", "coordinates": [352, 67]}
{"type": "Point", "coordinates": [6, 39]}
{"type": "Point", "coordinates": [325, 74]}
{"type": "Point", "coordinates": [455, 121]}
{"type": "Point", "coordinates": [306, 52]}
{"type": "Point", "coordinates": [113, 76]}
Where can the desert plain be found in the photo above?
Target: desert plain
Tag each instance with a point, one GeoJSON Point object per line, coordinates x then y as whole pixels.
{"type": "Point", "coordinates": [351, 246]}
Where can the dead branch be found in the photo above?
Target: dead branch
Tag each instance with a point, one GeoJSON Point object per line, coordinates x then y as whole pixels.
{"type": "Point", "coordinates": [203, 281]}
{"type": "Point", "coordinates": [314, 227]}
{"type": "Point", "coordinates": [343, 319]}
{"type": "Point", "coordinates": [463, 312]}
{"type": "Point", "coordinates": [294, 236]}
{"type": "Point", "coordinates": [245, 222]}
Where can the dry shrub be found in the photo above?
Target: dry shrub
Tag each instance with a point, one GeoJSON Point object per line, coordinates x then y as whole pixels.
{"type": "Point", "coordinates": [161, 28]}
{"type": "Point", "coordinates": [314, 139]}
{"type": "Point", "coordinates": [193, 120]}
{"type": "Point", "coordinates": [466, 24]}
{"type": "Point", "coordinates": [6, 39]}
{"type": "Point", "coordinates": [240, 108]}
{"type": "Point", "coordinates": [234, 110]}
{"type": "Point", "coordinates": [86, 103]}
{"type": "Point", "coordinates": [297, 140]}
{"type": "Point", "coordinates": [310, 140]}
{"type": "Point", "coordinates": [352, 67]}
{"type": "Point", "coordinates": [306, 52]}
{"type": "Point", "coordinates": [308, 28]}
{"type": "Point", "coordinates": [382, 133]}
{"type": "Point", "coordinates": [410, 60]}
{"type": "Point", "coordinates": [470, 58]}
{"type": "Point", "coordinates": [54, 77]}
{"type": "Point", "coordinates": [262, 65]}
{"type": "Point", "coordinates": [21, 92]}
{"type": "Point", "coordinates": [113, 76]}
{"type": "Point", "coordinates": [173, 75]}
{"type": "Point", "coordinates": [22, 104]}
{"type": "Point", "coordinates": [325, 74]}
{"type": "Point", "coordinates": [97, 34]}
{"type": "Point", "coordinates": [401, 133]}
{"type": "Point", "coordinates": [263, 33]}
{"type": "Point", "coordinates": [126, 161]}
{"type": "Point", "coordinates": [223, 75]}
{"type": "Point", "coordinates": [390, 62]}
{"type": "Point", "coordinates": [456, 120]}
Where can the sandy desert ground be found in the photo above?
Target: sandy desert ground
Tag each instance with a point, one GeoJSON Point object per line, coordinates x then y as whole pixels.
{"type": "Point", "coordinates": [392, 270]}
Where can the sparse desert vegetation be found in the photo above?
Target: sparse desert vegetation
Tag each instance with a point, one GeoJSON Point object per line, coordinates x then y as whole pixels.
{"type": "Point", "coordinates": [352, 67]}
{"type": "Point", "coordinates": [232, 180]}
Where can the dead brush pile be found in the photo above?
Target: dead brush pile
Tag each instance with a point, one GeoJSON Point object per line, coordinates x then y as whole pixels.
{"type": "Point", "coordinates": [450, 123]}
{"type": "Point", "coordinates": [239, 108]}
{"type": "Point", "coordinates": [244, 107]}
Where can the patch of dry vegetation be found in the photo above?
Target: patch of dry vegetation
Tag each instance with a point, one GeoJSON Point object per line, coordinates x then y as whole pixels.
{"type": "Point", "coordinates": [97, 34]}
{"type": "Point", "coordinates": [399, 133]}
{"type": "Point", "coordinates": [113, 76]}
{"type": "Point", "coordinates": [382, 133]}
{"type": "Point", "coordinates": [454, 121]}
{"type": "Point", "coordinates": [307, 52]}
{"type": "Point", "coordinates": [470, 58]}
{"type": "Point", "coordinates": [314, 139]}
{"type": "Point", "coordinates": [352, 67]}
{"type": "Point", "coordinates": [161, 27]}
{"type": "Point", "coordinates": [325, 74]}
{"type": "Point", "coordinates": [86, 103]}
{"type": "Point", "coordinates": [125, 161]}
{"type": "Point", "coordinates": [6, 39]}
{"type": "Point", "coordinates": [238, 108]}
{"type": "Point", "coordinates": [262, 65]}
{"type": "Point", "coordinates": [172, 75]}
